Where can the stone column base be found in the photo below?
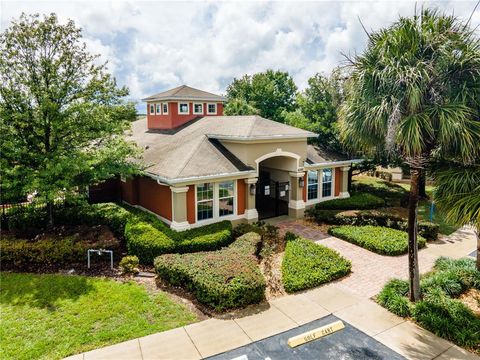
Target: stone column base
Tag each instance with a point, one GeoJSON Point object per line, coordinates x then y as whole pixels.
{"type": "Point", "coordinates": [296, 213]}
{"type": "Point", "coordinates": [180, 226]}
{"type": "Point", "coordinates": [251, 215]}
{"type": "Point", "coordinates": [344, 194]}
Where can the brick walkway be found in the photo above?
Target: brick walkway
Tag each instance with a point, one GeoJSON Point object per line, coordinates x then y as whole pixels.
{"type": "Point", "coordinates": [371, 271]}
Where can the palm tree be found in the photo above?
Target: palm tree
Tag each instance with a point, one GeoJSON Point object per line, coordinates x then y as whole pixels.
{"type": "Point", "coordinates": [412, 92]}
{"type": "Point", "coordinates": [457, 194]}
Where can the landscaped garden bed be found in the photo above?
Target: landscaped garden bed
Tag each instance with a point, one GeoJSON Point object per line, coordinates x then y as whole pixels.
{"type": "Point", "coordinates": [378, 239]}
{"type": "Point", "coordinates": [307, 264]}
{"type": "Point", "coordinates": [444, 309]}
{"type": "Point", "coordinates": [54, 316]}
{"type": "Point", "coordinates": [223, 279]}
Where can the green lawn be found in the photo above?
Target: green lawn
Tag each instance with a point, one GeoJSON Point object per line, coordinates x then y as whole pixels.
{"type": "Point", "coordinates": [53, 316]}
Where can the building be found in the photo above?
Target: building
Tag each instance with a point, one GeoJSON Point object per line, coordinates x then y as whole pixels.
{"type": "Point", "coordinates": [203, 167]}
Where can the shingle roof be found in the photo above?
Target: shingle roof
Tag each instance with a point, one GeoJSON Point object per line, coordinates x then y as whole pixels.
{"type": "Point", "coordinates": [185, 92]}
{"type": "Point", "coordinates": [319, 155]}
{"type": "Point", "coordinates": [193, 151]}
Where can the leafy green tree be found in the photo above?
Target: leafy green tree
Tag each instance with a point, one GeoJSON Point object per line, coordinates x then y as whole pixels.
{"type": "Point", "coordinates": [413, 91]}
{"type": "Point", "coordinates": [271, 92]}
{"type": "Point", "coordinates": [62, 115]}
{"type": "Point", "coordinates": [457, 194]}
{"type": "Point", "coordinates": [320, 103]}
{"type": "Point", "coordinates": [239, 107]}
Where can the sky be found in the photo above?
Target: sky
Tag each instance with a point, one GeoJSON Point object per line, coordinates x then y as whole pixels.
{"type": "Point", "coordinates": [152, 46]}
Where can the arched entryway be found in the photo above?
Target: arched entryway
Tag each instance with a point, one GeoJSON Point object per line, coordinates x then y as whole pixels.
{"type": "Point", "coordinates": [274, 185]}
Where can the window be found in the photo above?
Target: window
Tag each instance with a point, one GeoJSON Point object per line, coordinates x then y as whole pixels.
{"type": "Point", "coordinates": [205, 201]}
{"type": "Point", "coordinates": [165, 108]}
{"type": "Point", "coordinates": [327, 182]}
{"type": "Point", "coordinates": [226, 196]}
{"type": "Point", "coordinates": [198, 108]}
{"type": "Point", "coordinates": [183, 108]}
{"type": "Point", "coordinates": [212, 108]}
{"type": "Point", "coordinates": [152, 109]}
{"type": "Point", "coordinates": [312, 190]}
{"type": "Point", "coordinates": [159, 109]}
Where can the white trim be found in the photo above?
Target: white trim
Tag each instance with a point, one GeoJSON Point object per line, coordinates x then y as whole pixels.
{"type": "Point", "coordinates": [163, 180]}
{"type": "Point", "coordinates": [278, 152]}
{"type": "Point", "coordinates": [298, 174]}
{"type": "Point", "coordinates": [150, 112]}
{"type": "Point", "coordinates": [163, 109]}
{"type": "Point", "coordinates": [158, 106]}
{"type": "Point", "coordinates": [321, 198]}
{"type": "Point", "coordinates": [216, 211]}
{"type": "Point", "coordinates": [208, 109]}
{"type": "Point", "coordinates": [188, 108]}
{"type": "Point", "coordinates": [332, 164]}
{"type": "Point", "coordinates": [196, 112]}
{"type": "Point", "coordinates": [179, 190]}
{"type": "Point", "coordinates": [251, 180]}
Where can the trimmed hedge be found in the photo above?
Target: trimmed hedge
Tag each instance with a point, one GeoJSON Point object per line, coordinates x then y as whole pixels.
{"type": "Point", "coordinates": [426, 229]}
{"type": "Point", "coordinates": [223, 279]}
{"type": "Point", "coordinates": [21, 253]}
{"type": "Point", "coordinates": [306, 265]}
{"type": "Point", "coordinates": [354, 202]}
{"type": "Point", "coordinates": [378, 239]}
{"type": "Point", "coordinates": [439, 311]}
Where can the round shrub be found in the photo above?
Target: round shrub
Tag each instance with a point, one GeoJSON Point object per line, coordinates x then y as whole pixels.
{"type": "Point", "coordinates": [129, 265]}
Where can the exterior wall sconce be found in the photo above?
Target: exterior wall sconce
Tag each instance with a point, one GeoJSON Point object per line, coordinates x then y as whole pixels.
{"type": "Point", "coordinates": [252, 189]}
{"type": "Point", "coordinates": [301, 182]}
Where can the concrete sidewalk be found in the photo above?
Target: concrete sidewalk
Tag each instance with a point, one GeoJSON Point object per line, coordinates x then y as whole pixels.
{"type": "Point", "coordinates": [347, 299]}
{"type": "Point", "coordinates": [214, 336]}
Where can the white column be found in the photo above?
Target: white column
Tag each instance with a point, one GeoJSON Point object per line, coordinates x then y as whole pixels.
{"type": "Point", "coordinates": [344, 184]}
{"type": "Point", "coordinates": [179, 208]}
{"type": "Point", "coordinates": [251, 213]}
{"type": "Point", "coordinates": [296, 205]}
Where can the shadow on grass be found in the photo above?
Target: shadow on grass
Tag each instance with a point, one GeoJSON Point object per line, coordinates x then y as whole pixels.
{"type": "Point", "coordinates": [41, 291]}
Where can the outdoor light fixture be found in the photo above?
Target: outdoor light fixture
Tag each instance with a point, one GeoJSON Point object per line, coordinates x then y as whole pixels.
{"type": "Point", "coordinates": [252, 189]}
{"type": "Point", "coordinates": [301, 182]}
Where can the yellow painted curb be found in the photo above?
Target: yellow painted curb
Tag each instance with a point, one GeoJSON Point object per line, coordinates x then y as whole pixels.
{"type": "Point", "coordinates": [315, 333]}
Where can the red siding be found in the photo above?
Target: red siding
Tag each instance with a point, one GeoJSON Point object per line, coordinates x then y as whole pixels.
{"type": "Point", "coordinates": [174, 119]}
{"type": "Point", "coordinates": [191, 204]}
{"type": "Point", "coordinates": [241, 196]}
{"type": "Point", "coordinates": [128, 189]}
{"type": "Point", "coordinates": [154, 197]}
{"type": "Point", "coordinates": [338, 181]}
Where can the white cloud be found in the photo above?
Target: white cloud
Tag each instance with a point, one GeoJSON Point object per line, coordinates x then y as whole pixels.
{"type": "Point", "coordinates": [152, 46]}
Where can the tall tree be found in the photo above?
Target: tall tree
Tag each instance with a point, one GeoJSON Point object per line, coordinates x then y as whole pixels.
{"type": "Point", "coordinates": [62, 115]}
{"type": "Point", "coordinates": [413, 91]}
{"type": "Point", "coordinates": [457, 194]}
{"type": "Point", "coordinates": [271, 92]}
{"type": "Point", "coordinates": [320, 104]}
{"type": "Point", "coordinates": [239, 107]}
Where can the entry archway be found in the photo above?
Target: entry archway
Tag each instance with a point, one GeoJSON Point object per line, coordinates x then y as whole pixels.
{"type": "Point", "coordinates": [274, 185]}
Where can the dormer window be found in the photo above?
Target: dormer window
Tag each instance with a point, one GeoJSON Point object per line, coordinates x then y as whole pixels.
{"type": "Point", "coordinates": [198, 108]}
{"type": "Point", "coordinates": [183, 108]}
{"type": "Point", "coordinates": [159, 109]}
{"type": "Point", "coordinates": [165, 108]}
{"type": "Point", "coordinates": [152, 109]}
{"type": "Point", "coordinates": [212, 109]}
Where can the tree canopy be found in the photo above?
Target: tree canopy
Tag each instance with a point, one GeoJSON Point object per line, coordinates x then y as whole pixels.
{"type": "Point", "coordinates": [414, 91]}
{"type": "Point", "coordinates": [270, 92]}
{"type": "Point", "coordinates": [62, 114]}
